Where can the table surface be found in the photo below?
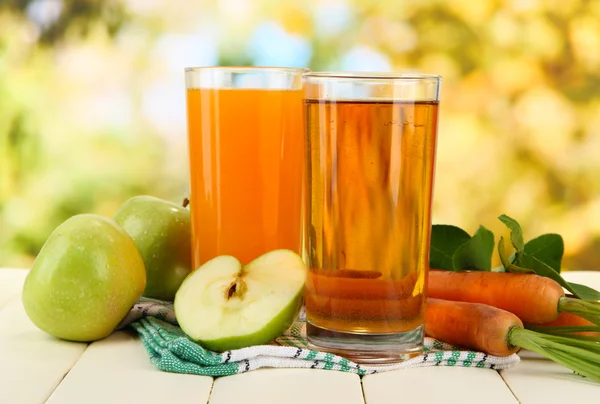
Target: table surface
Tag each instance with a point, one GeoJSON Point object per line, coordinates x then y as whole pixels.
{"type": "Point", "coordinates": [36, 368]}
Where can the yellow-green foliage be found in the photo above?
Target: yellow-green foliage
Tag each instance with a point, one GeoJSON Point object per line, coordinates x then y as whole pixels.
{"type": "Point", "coordinates": [520, 112]}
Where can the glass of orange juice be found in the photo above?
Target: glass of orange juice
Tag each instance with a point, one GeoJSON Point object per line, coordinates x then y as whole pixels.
{"type": "Point", "coordinates": [246, 155]}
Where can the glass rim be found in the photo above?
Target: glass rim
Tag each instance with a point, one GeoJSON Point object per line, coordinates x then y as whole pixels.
{"type": "Point", "coordinates": [372, 75]}
{"type": "Point", "coordinates": [247, 69]}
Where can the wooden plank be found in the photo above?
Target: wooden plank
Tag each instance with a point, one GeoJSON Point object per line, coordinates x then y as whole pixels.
{"type": "Point", "coordinates": [446, 385]}
{"type": "Point", "coordinates": [539, 380]}
{"type": "Point", "coordinates": [289, 386]}
{"type": "Point", "coordinates": [11, 283]}
{"type": "Point", "coordinates": [33, 363]}
{"type": "Point", "coordinates": [588, 278]}
{"type": "Point", "coordinates": [117, 370]}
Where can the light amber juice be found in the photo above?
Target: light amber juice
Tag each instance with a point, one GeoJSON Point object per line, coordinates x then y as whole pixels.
{"type": "Point", "coordinates": [369, 185]}
{"type": "Point", "coordinates": [247, 162]}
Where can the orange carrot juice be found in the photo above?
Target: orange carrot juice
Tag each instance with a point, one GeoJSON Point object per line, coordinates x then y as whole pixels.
{"type": "Point", "coordinates": [246, 150]}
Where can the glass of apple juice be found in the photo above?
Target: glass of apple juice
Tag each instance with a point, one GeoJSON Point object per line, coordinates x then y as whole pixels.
{"type": "Point", "coordinates": [246, 156]}
{"type": "Point", "coordinates": [371, 146]}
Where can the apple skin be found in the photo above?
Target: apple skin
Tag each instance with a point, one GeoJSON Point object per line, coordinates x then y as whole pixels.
{"type": "Point", "coordinates": [276, 327]}
{"type": "Point", "coordinates": [162, 232]}
{"type": "Point", "coordinates": [85, 279]}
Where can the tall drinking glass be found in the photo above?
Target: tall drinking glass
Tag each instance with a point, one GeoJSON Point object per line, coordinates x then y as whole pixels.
{"type": "Point", "coordinates": [371, 145]}
{"type": "Point", "coordinates": [246, 155]}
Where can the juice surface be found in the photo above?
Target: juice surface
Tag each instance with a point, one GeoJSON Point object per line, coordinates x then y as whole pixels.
{"type": "Point", "coordinates": [246, 151]}
{"type": "Point", "coordinates": [369, 189]}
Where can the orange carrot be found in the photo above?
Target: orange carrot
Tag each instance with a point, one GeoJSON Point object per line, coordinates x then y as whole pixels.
{"type": "Point", "coordinates": [567, 323]}
{"type": "Point", "coordinates": [359, 309]}
{"type": "Point", "coordinates": [499, 332]}
{"type": "Point", "coordinates": [352, 284]}
{"type": "Point", "coordinates": [534, 299]}
{"type": "Point", "coordinates": [472, 325]}
{"type": "Point", "coordinates": [377, 316]}
{"type": "Point", "coordinates": [568, 320]}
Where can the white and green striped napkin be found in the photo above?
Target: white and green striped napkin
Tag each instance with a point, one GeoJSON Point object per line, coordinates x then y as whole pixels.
{"type": "Point", "coordinates": [171, 350]}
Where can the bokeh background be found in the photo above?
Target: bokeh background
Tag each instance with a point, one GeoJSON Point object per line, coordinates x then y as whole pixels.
{"type": "Point", "coordinates": [92, 102]}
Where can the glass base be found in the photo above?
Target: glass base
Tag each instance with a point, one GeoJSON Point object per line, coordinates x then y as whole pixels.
{"type": "Point", "coordinates": [367, 348]}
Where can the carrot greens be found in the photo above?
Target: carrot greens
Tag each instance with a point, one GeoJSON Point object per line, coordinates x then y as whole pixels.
{"type": "Point", "coordinates": [453, 249]}
{"type": "Point", "coordinates": [581, 332]}
{"type": "Point", "coordinates": [467, 276]}
{"type": "Point", "coordinates": [581, 356]}
{"type": "Point", "coordinates": [500, 332]}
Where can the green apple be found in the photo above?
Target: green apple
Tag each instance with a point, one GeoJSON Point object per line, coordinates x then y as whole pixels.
{"type": "Point", "coordinates": [162, 232]}
{"type": "Point", "coordinates": [224, 305]}
{"type": "Point", "coordinates": [84, 280]}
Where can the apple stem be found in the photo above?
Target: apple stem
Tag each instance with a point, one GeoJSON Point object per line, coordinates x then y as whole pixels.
{"type": "Point", "coordinates": [186, 202]}
{"type": "Point", "coordinates": [237, 288]}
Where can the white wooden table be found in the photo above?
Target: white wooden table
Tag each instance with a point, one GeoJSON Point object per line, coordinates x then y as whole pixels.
{"type": "Point", "coordinates": [36, 368]}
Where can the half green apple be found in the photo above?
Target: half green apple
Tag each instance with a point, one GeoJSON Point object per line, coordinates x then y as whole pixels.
{"type": "Point", "coordinates": [225, 305]}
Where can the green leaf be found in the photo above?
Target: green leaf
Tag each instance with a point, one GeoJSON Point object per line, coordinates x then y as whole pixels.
{"type": "Point", "coordinates": [516, 233]}
{"type": "Point", "coordinates": [475, 253]}
{"type": "Point", "coordinates": [544, 270]}
{"type": "Point", "coordinates": [530, 263]}
{"type": "Point", "coordinates": [548, 248]}
{"type": "Point", "coordinates": [585, 292]}
{"type": "Point", "coordinates": [445, 240]}
{"type": "Point", "coordinates": [506, 261]}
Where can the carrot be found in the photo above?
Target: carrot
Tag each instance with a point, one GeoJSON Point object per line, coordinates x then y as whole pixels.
{"type": "Point", "coordinates": [476, 326]}
{"type": "Point", "coordinates": [566, 324]}
{"type": "Point", "coordinates": [534, 299]}
{"type": "Point", "coordinates": [568, 320]}
{"type": "Point", "coordinates": [498, 332]}
{"type": "Point", "coordinates": [352, 284]}
{"type": "Point", "coordinates": [363, 309]}
{"type": "Point", "coordinates": [377, 316]}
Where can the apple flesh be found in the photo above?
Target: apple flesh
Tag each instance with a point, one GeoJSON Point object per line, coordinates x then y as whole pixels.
{"type": "Point", "coordinates": [224, 305]}
{"type": "Point", "coordinates": [84, 280]}
{"type": "Point", "coordinates": [162, 232]}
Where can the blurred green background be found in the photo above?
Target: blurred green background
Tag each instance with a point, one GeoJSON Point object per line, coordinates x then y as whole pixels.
{"type": "Point", "coordinates": [92, 103]}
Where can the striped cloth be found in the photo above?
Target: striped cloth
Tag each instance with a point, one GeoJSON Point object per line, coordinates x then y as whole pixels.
{"type": "Point", "coordinates": [171, 350]}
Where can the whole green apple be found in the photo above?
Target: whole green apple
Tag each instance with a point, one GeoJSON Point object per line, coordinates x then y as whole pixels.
{"type": "Point", "coordinates": [162, 232]}
{"type": "Point", "coordinates": [84, 280]}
